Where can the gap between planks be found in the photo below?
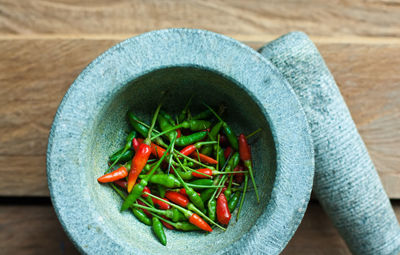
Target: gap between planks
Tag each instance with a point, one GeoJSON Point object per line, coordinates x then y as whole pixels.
{"type": "Point", "coordinates": [240, 37]}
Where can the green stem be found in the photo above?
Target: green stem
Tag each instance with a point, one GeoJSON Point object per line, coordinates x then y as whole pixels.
{"type": "Point", "coordinates": [193, 160]}
{"type": "Point", "coordinates": [153, 122]}
{"type": "Point", "coordinates": [253, 133]}
{"type": "Point", "coordinates": [246, 180]}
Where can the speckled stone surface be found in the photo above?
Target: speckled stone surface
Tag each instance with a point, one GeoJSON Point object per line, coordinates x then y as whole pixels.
{"type": "Point", "coordinates": [90, 124]}
{"type": "Point", "coordinates": [346, 182]}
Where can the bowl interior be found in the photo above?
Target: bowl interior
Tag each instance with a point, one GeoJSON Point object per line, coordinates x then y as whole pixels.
{"type": "Point", "coordinates": [142, 96]}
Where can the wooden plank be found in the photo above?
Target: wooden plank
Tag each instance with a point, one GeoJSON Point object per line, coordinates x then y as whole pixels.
{"type": "Point", "coordinates": [30, 229]}
{"type": "Point", "coordinates": [41, 232]}
{"type": "Point", "coordinates": [317, 17]}
{"type": "Point", "coordinates": [32, 87]}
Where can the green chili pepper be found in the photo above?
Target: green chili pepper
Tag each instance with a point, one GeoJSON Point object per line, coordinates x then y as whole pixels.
{"type": "Point", "coordinates": [168, 117]}
{"type": "Point", "coordinates": [128, 145]}
{"type": "Point", "coordinates": [142, 129]}
{"type": "Point", "coordinates": [158, 230]}
{"type": "Point", "coordinates": [140, 215]}
{"type": "Point", "coordinates": [203, 182]}
{"type": "Point", "coordinates": [219, 153]}
{"type": "Point", "coordinates": [212, 208]}
{"type": "Point", "coordinates": [203, 115]}
{"type": "Point", "coordinates": [181, 225]}
{"type": "Point", "coordinates": [185, 175]}
{"type": "Point", "coordinates": [215, 130]}
{"type": "Point", "coordinates": [196, 125]}
{"type": "Point", "coordinates": [233, 162]}
{"type": "Point", "coordinates": [207, 150]}
{"type": "Point", "coordinates": [206, 194]}
{"type": "Point", "coordinates": [193, 196]}
{"type": "Point", "coordinates": [126, 156]}
{"type": "Point", "coordinates": [233, 201]}
{"type": "Point", "coordinates": [230, 134]}
{"type": "Point", "coordinates": [161, 190]}
{"type": "Point", "coordinates": [189, 139]}
{"type": "Point", "coordinates": [166, 180]}
{"type": "Point", "coordinates": [165, 126]}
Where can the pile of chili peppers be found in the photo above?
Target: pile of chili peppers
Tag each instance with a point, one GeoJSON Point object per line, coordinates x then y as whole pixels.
{"type": "Point", "coordinates": [187, 175]}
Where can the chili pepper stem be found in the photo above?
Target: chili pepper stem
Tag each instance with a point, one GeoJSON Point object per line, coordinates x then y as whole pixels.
{"type": "Point", "coordinates": [193, 160]}
{"type": "Point", "coordinates": [253, 133]}
{"type": "Point", "coordinates": [248, 165]}
{"type": "Point", "coordinates": [153, 122]}
{"type": "Point", "coordinates": [186, 212]}
{"type": "Point", "coordinates": [246, 180]}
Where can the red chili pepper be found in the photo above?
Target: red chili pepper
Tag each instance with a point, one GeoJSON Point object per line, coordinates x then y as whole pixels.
{"type": "Point", "coordinates": [188, 150]}
{"type": "Point", "coordinates": [206, 171]}
{"type": "Point", "coordinates": [199, 222]}
{"type": "Point", "coordinates": [160, 204]}
{"type": "Point", "coordinates": [167, 225]}
{"type": "Point", "coordinates": [223, 140]}
{"type": "Point", "coordinates": [155, 149]}
{"type": "Point", "coordinates": [144, 210]}
{"type": "Point", "coordinates": [122, 183]}
{"type": "Point", "coordinates": [244, 148]}
{"type": "Point", "coordinates": [204, 158]}
{"type": "Point", "coordinates": [177, 198]}
{"type": "Point", "coordinates": [135, 144]}
{"type": "Point", "coordinates": [227, 151]}
{"type": "Point", "coordinates": [239, 178]}
{"type": "Point", "coordinates": [114, 175]}
{"type": "Point", "coordinates": [146, 189]}
{"type": "Point", "coordinates": [179, 133]}
{"type": "Point", "coordinates": [138, 162]}
{"type": "Point", "coordinates": [223, 214]}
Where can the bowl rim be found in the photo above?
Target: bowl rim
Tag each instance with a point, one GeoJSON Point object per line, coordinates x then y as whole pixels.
{"type": "Point", "coordinates": [284, 211]}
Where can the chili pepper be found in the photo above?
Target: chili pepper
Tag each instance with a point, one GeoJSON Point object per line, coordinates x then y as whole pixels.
{"type": "Point", "coordinates": [167, 180]}
{"type": "Point", "coordinates": [193, 217]}
{"type": "Point", "coordinates": [179, 133]}
{"type": "Point", "coordinates": [135, 144]}
{"type": "Point", "coordinates": [168, 117]}
{"type": "Point", "coordinates": [160, 204]}
{"type": "Point", "coordinates": [161, 190]}
{"type": "Point", "coordinates": [192, 160]}
{"type": "Point", "coordinates": [173, 213]}
{"type": "Point", "coordinates": [183, 192]}
{"type": "Point", "coordinates": [204, 158]}
{"type": "Point", "coordinates": [224, 140]}
{"type": "Point", "coordinates": [206, 150]}
{"type": "Point", "coordinates": [189, 139]}
{"type": "Point", "coordinates": [230, 134]}
{"type": "Point", "coordinates": [142, 129]}
{"type": "Point", "coordinates": [245, 156]}
{"type": "Point", "coordinates": [166, 224]}
{"type": "Point", "coordinates": [121, 157]}
{"type": "Point", "coordinates": [192, 148]}
{"type": "Point", "coordinates": [233, 201]}
{"type": "Point", "coordinates": [185, 175]}
{"type": "Point", "coordinates": [156, 150]}
{"type": "Point", "coordinates": [114, 175]}
{"type": "Point", "coordinates": [233, 162]}
{"type": "Point", "coordinates": [195, 125]}
{"type": "Point", "coordinates": [212, 208]}
{"type": "Point", "coordinates": [206, 194]}
{"type": "Point", "coordinates": [138, 162]}
{"type": "Point", "coordinates": [203, 182]}
{"type": "Point", "coordinates": [145, 211]}
{"type": "Point", "coordinates": [206, 171]}
{"type": "Point", "coordinates": [142, 154]}
{"type": "Point", "coordinates": [159, 231]}
{"type": "Point", "coordinates": [193, 196]}
{"type": "Point", "coordinates": [165, 126]}
{"type": "Point", "coordinates": [141, 216]}
{"type": "Point", "coordinates": [239, 177]}
{"type": "Point", "coordinates": [122, 183]}
{"type": "Point", "coordinates": [177, 198]}
{"type": "Point", "coordinates": [202, 115]}
{"type": "Point", "coordinates": [138, 189]}
{"type": "Point", "coordinates": [128, 143]}
{"type": "Point", "coordinates": [185, 226]}
{"type": "Point", "coordinates": [228, 151]}
{"type": "Point", "coordinates": [223, 213]}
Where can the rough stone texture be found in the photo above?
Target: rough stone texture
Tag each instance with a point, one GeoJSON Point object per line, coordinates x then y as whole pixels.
{"type": "Point", "coordinates": [346, 181]}
{"type": "Point", "coordinates": [90, 122]}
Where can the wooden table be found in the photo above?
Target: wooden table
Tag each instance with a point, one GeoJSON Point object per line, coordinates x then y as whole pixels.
{"type": "Point", "coordinates": [45, 44]}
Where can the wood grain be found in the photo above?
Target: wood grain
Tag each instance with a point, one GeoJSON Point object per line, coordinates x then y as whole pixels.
{"type": "Point", "coordinates": [317, 17]}
{"type": "Point", "coordinates": [32, 86]}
